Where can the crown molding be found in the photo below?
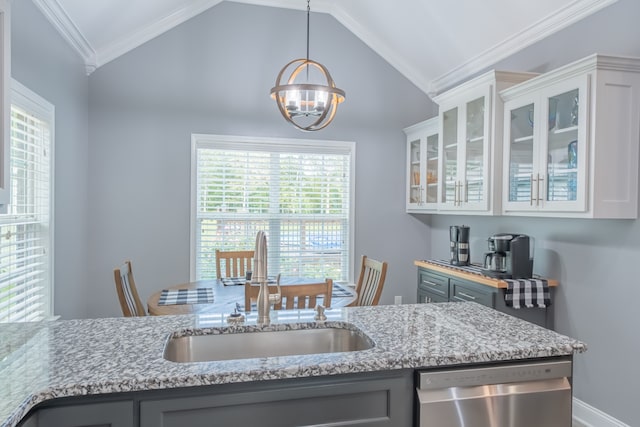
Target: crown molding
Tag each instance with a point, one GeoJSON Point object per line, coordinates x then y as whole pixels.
{"type": "Point", "coordinates": [546, 26]}
{"type": "Point", "coordinates": [60, 20]}
{"type": "Point", "coordinates": [573, 12]}
{"type": "Point", "coordinates": [131, 41]}
{"type": "Point", "coordinates": [378, 45]}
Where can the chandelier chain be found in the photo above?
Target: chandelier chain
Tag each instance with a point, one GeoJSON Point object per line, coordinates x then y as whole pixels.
{"type": "Point", "coordinates": [308, 13]}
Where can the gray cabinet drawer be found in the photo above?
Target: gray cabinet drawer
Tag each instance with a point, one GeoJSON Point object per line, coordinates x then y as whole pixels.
{"type": "Point", "coordinates": [466, 291]}
{"type": "Point", "coordinates": [426, 296]}
{"type": "Point", "coordinates": [434, 283]}
{"type": "Point", "coordinates": [104, 414]}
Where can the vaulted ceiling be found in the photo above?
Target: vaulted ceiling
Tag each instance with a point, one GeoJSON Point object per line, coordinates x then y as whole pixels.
{"type": "Point", "coordinates": [434, 43]}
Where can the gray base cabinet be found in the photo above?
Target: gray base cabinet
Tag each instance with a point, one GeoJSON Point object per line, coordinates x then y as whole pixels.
{"type": "Point", "coordinates": [356, 401]}
{"type": "Point", "coordinates": [369, 399]}
{"type": "Point", "coordinates": [440, 287]}
{"type": "Point", "coordinates": [105, 414]}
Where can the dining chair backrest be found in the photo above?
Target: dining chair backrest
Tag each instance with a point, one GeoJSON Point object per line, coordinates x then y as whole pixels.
{"type": "Point", "coordinates": [127, 292]}
{"type": "Point", "coordinates": [251, 291]}
{"type": "Point", "coordinates": [294, 296]}
{"type": "Point", "coordinates": [236, 263]}
{"type": "Point", "coordinates": [370, 282]}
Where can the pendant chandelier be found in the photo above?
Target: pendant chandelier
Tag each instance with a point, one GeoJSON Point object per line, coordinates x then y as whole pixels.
{"type": "Point", "coordinates": [311, 104]}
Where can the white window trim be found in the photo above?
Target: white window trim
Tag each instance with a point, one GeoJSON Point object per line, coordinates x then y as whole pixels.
{"type": "Point", "coordinates": [5, 102]}
{"type": "Point", "coordinates": [283, 145]}
{"type": "Point", "coordinates": [25, 98]}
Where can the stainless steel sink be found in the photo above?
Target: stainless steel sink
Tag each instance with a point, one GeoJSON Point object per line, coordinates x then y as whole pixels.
{"type": "Point", "coordinates": [258, 344]}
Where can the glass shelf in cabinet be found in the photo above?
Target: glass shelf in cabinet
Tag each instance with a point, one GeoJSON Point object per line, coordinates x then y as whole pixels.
{"type": "Point", "coordinates": [565, 129]}
{"type": "Point", "coordinates": [476, 139]}
{"type": "Point", "coordinates": [528, 138]}
{"type": "Point", "coordinates": [475, 180]}
{"type": "Point", "coordinates": [520, 176]}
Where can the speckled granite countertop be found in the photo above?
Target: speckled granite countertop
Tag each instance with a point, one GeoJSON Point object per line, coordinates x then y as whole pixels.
{"type": "Point", "coordinates": [39, 362]}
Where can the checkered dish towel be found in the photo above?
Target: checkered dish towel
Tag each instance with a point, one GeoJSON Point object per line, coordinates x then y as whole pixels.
{"type": "Point", "coordinates": [186, 296]}
{"type": "Point", "coordinates": [527, 293]}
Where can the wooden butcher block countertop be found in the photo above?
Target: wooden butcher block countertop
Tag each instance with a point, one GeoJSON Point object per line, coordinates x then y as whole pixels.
{"type": "Point", "coordinates": [473, 276]}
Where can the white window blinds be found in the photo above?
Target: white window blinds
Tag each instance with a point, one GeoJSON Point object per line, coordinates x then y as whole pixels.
{"type": "Point", "coordinates": [298, 192]}
{"type": "Point", "coordinates": [25, 230]}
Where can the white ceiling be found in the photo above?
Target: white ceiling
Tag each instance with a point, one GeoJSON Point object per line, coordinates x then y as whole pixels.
{"type": "Point", "coordinates": [434, 43]}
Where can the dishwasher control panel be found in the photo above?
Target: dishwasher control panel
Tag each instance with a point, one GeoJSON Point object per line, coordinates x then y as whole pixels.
{"type": "Point", "coordinates": [497, 374]}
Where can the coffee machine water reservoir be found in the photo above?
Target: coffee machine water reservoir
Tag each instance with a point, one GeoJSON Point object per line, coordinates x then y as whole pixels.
{"type": "Point", "coordinates": [510, 257]}
{"type": "Point", "coordinates": [459, 245]}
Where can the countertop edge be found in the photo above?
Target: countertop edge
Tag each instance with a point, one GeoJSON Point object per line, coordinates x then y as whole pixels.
{"type": "Point", "coordinates": [484, 280]}
{"type": "Point", "coordinates": [42, 396]}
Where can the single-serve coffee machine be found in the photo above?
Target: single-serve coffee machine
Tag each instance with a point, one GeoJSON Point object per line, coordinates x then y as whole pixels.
{"type": "Point", "coordinates": [459, 244]}
{"type": "Point", "coordinates": [510, 257]}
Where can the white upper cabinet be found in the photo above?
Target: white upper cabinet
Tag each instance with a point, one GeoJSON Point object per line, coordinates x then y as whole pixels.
{"type": "Point", "coordinates": [5, 106]}
{"type": "Point", "coordinates": [471, 144]}
{"type": "Point", "coordinates": [422, 166]}
{"type": "Point", "coordinates": [571, 141]}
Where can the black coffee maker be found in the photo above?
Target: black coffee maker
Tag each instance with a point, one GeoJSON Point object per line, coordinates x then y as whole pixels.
{"type": "Point", "coordinates": [459, 245]}
{"type": "Point", "coordinates": [511, 257]}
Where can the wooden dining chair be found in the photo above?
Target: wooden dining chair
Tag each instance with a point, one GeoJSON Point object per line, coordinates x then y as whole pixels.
{"type": "Point", "coordinates": [370, 282]}
{"type": "Point", "coordinates": [294, 296]}
{"type": "Point", "coordinates": [236, 263]}
{"type": "Point", "coordinates": [251, 291]}
{"type": "Point", "coordinates": [127, 292]}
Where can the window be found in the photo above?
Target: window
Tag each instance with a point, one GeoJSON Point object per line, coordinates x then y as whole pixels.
{"type": "Point", "coordinates": [5, 81]}
{"type": "Point", "coordinates": [299, 192]}
{"type": "Point", "coordinates": [26, 237]}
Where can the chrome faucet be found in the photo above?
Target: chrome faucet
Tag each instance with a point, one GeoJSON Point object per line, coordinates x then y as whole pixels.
{"type": "Point", "coordinates": [265, 299]}
{"type": "Point", "coordinates": [320, 316]}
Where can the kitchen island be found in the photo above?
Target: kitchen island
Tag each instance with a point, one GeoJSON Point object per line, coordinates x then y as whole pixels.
{"type": "Point", "coordinates": [48, 361]}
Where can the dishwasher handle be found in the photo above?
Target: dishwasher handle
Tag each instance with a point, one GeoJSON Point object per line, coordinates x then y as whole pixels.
{"type": "Point", "coordinates": [494, 391]}
{"type": "Point", "coordinates": [497, 374]}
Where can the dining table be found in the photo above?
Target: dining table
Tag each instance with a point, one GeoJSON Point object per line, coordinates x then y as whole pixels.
{"type": "Point", "coordinates": [229, 294]}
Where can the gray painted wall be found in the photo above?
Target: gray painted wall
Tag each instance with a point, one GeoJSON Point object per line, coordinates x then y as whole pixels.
{"type": "Point", "coordinates": [46, 64]}
{"type": "Point", "coordinates": [594, 260]}
{"type": "Point", "coordinates": [213, 74]}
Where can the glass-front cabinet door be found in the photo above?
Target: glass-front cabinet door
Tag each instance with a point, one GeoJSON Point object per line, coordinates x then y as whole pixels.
{"type": "Point", "coordinates": [422, 166]}
{"type": "Point", "coordinates": [521, 160]}
{"type": "Point", "coordinates": [465, 156]}
{"type": "Point", "coordinates": [474, 184]}
{"type": "Point", "coordinates": [433, 158]}
{"type": "Point", "coordinates": [450, 155]}
{"type": "Point", "coordinates": [416, 163]}
{"type": "Point", "coordinates": [545, 165]}
{"type": "Point", "coordinates": [565, 148]}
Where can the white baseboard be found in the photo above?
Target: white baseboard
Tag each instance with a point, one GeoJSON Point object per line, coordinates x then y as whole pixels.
{"type": "Point", "coordinates": [588, 416]}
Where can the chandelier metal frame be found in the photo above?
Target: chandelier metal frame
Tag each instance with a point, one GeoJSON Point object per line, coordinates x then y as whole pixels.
{"type": "Point", "coordinates": [309, 104]}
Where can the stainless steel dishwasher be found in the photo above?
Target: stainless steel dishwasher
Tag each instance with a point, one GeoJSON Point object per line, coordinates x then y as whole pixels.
{"type": "Point", "coordinates": [509, 395]}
